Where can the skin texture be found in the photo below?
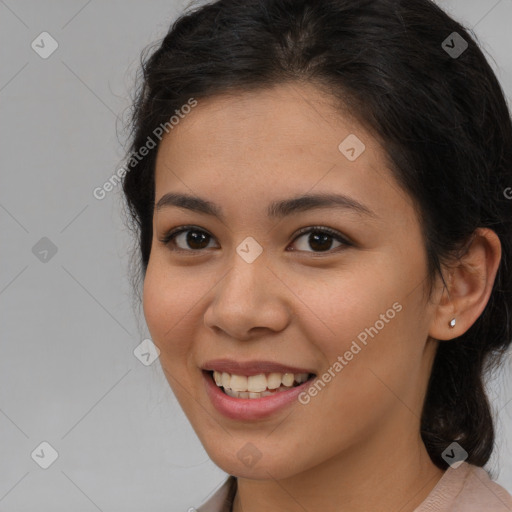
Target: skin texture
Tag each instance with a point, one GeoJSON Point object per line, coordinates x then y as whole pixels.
{"type": "Point", "coordinates": [358, 438]}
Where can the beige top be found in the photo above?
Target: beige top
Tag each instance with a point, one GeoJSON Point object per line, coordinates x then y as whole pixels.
{"type": "Point", "coordinates": [467, 488]}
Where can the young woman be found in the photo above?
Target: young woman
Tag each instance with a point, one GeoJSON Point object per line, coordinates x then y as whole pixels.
{"type": "Point", "coordinates": [321, 192]}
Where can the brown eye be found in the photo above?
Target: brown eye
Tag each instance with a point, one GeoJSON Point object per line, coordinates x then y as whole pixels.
{"type": "Point", "coordinates": [188, 239]}
{"type": "Point", "coordinates": [320, 239]}
{"type": "Point", "coordinates": [193, 239]}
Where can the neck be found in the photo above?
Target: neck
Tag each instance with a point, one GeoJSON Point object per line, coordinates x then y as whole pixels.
{"type": "Point", "coordinates": [374, 475]}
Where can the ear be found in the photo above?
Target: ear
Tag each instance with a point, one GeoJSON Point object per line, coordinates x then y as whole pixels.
{"type": "Point", "coordinates": [469, 284]}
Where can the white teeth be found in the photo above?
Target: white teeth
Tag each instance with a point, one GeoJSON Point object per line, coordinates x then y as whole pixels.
{"type": "Point", "coordinates": [257, 386]}
{"type": "Point", "coordinates": [301, 377]}
{"type": "Point", "coordinates": [246, 394]}
{"type": "Point", "coordinates": [239, 383]}
{"type": "Point", "coordinates": [256, 383]}
{"type": "Point", "coordinates": [230, 392]}
{"type": "Point", "coordinates": [288, 379]}
{"type": "Point", "coordinates": [274, 380]}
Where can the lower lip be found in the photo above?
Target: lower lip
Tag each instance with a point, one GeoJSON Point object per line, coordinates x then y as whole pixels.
{"type": "Point", "coordinates": [250, 408]}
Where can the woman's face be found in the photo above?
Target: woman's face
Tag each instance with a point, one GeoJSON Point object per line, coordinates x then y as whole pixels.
{"type": "Point", "coordinates": [246, 287]}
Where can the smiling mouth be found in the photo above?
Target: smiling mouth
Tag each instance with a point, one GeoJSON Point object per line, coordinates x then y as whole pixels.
{"type": "Point", "coordinates": [257, 386]}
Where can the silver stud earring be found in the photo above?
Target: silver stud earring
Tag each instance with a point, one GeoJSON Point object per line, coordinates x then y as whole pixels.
{"type": "Point", "coordinates": [452, 322]}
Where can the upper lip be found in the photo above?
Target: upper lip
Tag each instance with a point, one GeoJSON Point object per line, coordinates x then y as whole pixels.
{"type": "Point", "coordinates": [249, 368]}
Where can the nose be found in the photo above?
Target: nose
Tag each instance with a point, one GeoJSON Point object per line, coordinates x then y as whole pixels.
{"type": "Point", "coordinates": [248, 302]}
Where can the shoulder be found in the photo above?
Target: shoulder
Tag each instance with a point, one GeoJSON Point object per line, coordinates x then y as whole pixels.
{"type": "Point", "coordinates": [467, 488]}
{"type": "Point", "coordinates": [222, 498]}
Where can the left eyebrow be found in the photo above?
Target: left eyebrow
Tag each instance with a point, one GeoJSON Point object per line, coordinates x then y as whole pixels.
{"type": "Point", "coordinates": [277, 209]}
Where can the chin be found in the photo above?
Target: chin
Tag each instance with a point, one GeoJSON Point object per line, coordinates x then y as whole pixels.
{"type": "Point", "coordinates": [242, 459]}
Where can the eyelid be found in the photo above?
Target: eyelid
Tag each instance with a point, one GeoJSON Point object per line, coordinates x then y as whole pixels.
{"type": "Point", "coordinates": [324, 229]}
{"type": "Point", "coordinates": [170, 236]}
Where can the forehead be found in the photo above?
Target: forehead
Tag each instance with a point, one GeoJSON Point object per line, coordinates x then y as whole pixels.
{"type": "Point", "coordinates": [272, 119]}
{"type": "Point", "coordinates": [278, 142]}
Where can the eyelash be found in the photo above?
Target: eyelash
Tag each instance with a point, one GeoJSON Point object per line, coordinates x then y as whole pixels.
{"type": "Point", "coordinates": [173, 233]}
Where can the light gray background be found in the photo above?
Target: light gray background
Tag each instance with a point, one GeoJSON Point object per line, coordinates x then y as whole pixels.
{"type": "Point", "coordinates": [68, 375]}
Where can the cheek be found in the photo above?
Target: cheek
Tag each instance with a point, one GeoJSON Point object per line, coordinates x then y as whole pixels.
{"type": "Point", "coordinates": [333, 310]}
{"type": "Point", "coordinates": [364, 316]}
{"type": "Point", "coordinates": [166, 305]}
{"type": "Point", "coordinates": [155, 302]}
{"type": "Point", "coordinates": [381, 353]}
{"type": "Point", "coordinates": [168, 311]}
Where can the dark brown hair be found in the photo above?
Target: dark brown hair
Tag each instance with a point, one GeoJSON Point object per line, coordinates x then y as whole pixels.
{"type": "Point", "coordinates": [442, 119]}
